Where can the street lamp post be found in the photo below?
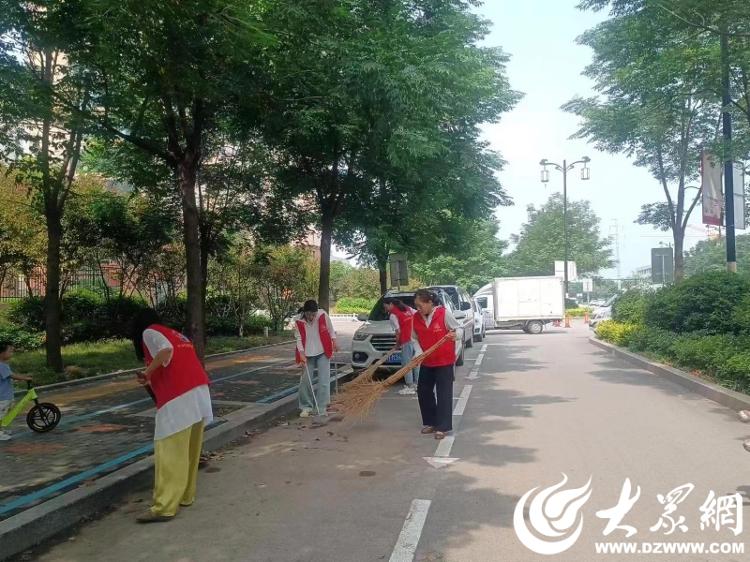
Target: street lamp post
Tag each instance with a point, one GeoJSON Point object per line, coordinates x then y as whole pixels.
{"type": "Point", "coordinates": [564, 169]}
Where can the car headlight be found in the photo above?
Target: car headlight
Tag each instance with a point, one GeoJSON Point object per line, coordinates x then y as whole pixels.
{"type": "Point", "coordinates": [360, 336]}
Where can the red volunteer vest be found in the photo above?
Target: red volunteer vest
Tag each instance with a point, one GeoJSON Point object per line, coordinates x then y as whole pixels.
{"type": "Point", "coordinates": [325, 337]}
{"type": "Point", "coordinates": [405, 324]}
{"type": "Point", "coordinates": [184, 372]}
{"type": "Point", "coordinates": [428, 336]}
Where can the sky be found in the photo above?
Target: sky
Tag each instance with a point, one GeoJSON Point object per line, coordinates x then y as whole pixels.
{"type": "Point", "coordinates": [546, 65]}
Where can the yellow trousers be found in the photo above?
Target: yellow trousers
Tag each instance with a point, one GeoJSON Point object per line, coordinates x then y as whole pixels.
{"type": "Point", "coordinates": [176, 470]}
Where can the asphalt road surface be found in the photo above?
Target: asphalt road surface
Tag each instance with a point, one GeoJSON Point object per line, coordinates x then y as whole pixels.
{"type": "Point", "coordinates": [529, 410]}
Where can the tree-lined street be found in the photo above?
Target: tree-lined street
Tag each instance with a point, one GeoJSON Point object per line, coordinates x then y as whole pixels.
{"type": "Point", "coordinates": [538, 407]}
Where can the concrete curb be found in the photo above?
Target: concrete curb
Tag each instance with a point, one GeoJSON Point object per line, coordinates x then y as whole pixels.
{"type": "Point", "coordinates": [115, 374]}
{"type": "Point", "coordinates": [42, 522]}
{"type": "Point", "coordinates": [729, 398]}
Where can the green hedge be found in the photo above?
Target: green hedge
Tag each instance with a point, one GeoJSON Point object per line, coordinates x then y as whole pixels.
{"type": "Point", "coordinates": [724, 357]}
{"type": "Point", "coordinates": [704, 303]}
{"type": "Point", "coordinates": [353, 305]}
{"type": "Point", "coordinates": [578, 312]}
{"type": "Point", "coordinates": [630, 307]}
{"type": "Point", "coordinates": [20, 339]}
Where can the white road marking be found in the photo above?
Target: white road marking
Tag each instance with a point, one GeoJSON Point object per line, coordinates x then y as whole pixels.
{"type": "Point", "coordinates": [461, 404]}
{"type": "Point", "coordinates": [484, 347]}
{"type": "Point", "coordinates": [445, 446]}
{"type": "Point", "coordinates": [440, 462]}
{"type": "Point", "coordinates": [474, 374]}
{"type": "Point", "coordinates": [408, 540]}
{"type": "Point", "coordinates": [479, 360]}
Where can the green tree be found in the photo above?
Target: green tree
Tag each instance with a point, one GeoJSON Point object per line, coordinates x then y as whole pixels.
{"type": "Point", "coordinates": [711, 255]}
{"type": "Point", "coordinates": [22, 234]}
{"type": "Point", "coordinates": [472, 264]}
{"type": "Point", "coordinates": [541, 241]}
{"type": "Point", "coordinates": [40, 134]}
{"type": "Point", "coordinates": [387, 92]}
{"type": "Point", "coordinates": [651, 109]}
{"type": "Point", "coordinates": [285, 278]}
{"type": "Point", "coordinates": [165, 74]}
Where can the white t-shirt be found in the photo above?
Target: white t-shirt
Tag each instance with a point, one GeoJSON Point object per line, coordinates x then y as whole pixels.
{"type": "Point", "coordinates": [312, 346]}
{"type": "Point", "coordinates": [185, 410]}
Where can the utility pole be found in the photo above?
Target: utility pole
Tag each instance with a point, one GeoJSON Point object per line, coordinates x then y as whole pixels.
{"type": "Point", "coordinates": [726, 100]}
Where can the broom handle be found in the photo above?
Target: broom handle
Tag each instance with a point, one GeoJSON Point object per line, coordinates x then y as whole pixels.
{"type": "Point", "coordinates": [398, 375]}
{"type": "Point", "coordinates": [372, 368]}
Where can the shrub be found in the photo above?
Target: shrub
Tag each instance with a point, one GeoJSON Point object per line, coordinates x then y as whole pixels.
{"type": "Point", "coordinates": [20, 339]}
{"type": "Point", "coordinates": [27, 314]}
{"type": "Point", "coordinates": [630, 307]}
{"type": "Point", "coordinates": [353, 305]}
{"type": "Point", "coordinates": [703, 303]}
{"type": "Point", "coordinates": [578, 312]}
{"type": "Point", "coordinates": [652, 340]}
{"type": "Point", "coordinates": [734, 372]}
{"type": "Point", "coordinates": [616, 332]}
{"type": "Point", "coordinates": [704, 353]}
{"type": "Point", "coordinates": [86, 316]}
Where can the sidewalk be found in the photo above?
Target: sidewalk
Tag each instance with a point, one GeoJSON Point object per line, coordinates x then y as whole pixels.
{"type": "Point", "coordinates": [109, 424]}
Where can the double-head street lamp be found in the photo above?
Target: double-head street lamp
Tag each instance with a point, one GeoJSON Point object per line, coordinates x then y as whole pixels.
{"type": "Point", "coordinates": [565, 168]}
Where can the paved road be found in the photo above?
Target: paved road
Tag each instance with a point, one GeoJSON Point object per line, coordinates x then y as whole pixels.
{"type": "Point", "coordinates": [535, 407]}
{"type": "Point", "coordinates": [109, 424]}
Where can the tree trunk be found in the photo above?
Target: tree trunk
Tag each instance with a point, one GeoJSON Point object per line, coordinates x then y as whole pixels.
{"type": "Point", "coordinates": [679, 256]}
{"type": "Point", "coordinates": [326, 236]}
{"type": "Point", "coordinates": [383, 273]}
{"type": "Point", "coordinates": [53, 307]}
{"type": "Point", "coordinates": [191, 234]}
{"type": "Point", "coordinates": [204, 283]}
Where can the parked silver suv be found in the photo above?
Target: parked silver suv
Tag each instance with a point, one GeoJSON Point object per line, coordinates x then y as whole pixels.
{"type": "Point", "coordinates": [376, 336]}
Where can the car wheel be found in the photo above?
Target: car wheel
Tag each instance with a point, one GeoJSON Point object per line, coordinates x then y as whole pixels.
{"type": "Point", "coordinates": [479, 337]}
{"type": "Point", "coordinates": [470, 341]}
{"type": "Point", "coordinates": [460, 360]}
{"type": "Point", "coordinates": [534, 327]}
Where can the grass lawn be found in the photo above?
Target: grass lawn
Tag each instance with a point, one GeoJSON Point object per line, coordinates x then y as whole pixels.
{"type": "Point", "coordinates": [96, 358]}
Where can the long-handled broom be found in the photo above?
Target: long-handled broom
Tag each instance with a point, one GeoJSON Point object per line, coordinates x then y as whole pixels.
{"type": "Point", "coordinates": [367, 374]}
{"type": "Point", "coordinates": [358, 400]}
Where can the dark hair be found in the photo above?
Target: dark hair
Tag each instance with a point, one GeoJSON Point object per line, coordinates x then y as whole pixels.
{"type": "Point", "coordinates": [4, 345]}
{"type": "Point", "coordinates": [427, 295]}
{"type": "Point", "coordinates": [310, 306]}
{"type": "Point", "coordinates": [142, 320]}
{"type": "Point", "coordinates": [397, 303]}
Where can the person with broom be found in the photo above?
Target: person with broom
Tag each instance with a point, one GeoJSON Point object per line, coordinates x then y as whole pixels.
{"type": "Point", "coordinates": [402, 321]}
{"type": "Point", "coordinates": [316, 343]}
{"type": "Point", "coordinates": [178, 383]}
{"type": "Point", "coordinates": [432, 323]}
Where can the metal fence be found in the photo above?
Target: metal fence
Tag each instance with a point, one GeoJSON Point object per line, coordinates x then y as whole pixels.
{"type": "Point", "coordinates": [16, 285]}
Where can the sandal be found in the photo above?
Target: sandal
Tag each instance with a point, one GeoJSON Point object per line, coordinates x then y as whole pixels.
{"type": "Point", "coordinates": [428, 429]}
{"type": "Point", "coordinates": [439, 435]}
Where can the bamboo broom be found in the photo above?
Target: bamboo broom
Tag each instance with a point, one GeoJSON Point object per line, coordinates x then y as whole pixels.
{"type": "Point", "coordinates": [358, 400]}
{"type": "Point", "coordinates": [367, 374]}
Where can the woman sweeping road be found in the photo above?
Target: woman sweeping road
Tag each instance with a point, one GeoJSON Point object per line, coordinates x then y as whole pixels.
{"type": "Point", "coordinates": [402, 320]}
{"type": "Point", "coordinates": [179, 385]}
{"type": "Point", "coordinates": [316, 343]}
{"type": "Point", "coordinates": [435, 389]}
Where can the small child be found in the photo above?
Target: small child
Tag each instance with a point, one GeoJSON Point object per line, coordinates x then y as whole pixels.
{"type": "Point", "coordinates": [6, 383]}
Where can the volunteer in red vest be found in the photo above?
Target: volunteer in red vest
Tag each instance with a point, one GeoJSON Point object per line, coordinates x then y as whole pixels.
{"type": "Point", "coordinates": [435, 389]}
{"type": "Point", "coordinates": [316, 342]}
{"type": "Point", "coordinates": [402, 321]}
{"type": "Point", "coordinates": [179, 384]}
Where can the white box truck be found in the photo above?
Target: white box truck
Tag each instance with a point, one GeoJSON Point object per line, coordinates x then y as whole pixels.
{"type": "Point", "coordinates": [526, 303]}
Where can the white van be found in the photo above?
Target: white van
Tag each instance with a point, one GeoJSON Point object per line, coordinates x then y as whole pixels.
{"type": "Point", "coordinates": [376, 336]}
